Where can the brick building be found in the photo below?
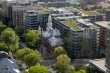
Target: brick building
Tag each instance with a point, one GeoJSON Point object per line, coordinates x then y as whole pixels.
{"type": "Point", "coordinates": [102, 25]}
{"type": "Point", "coordinates": [51, 37]}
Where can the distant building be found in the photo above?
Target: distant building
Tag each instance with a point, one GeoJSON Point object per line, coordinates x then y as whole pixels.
{"type": "Point", "coordinates": [107, 14]}
{"type": "Point", "coordinates": [53, 3]}
{"type": "Point", "coordinates": [90, 2]}
{"type": "Point", "coordinates": [18, 14]}
{"type": "Point", "coordinates": [51, 38]}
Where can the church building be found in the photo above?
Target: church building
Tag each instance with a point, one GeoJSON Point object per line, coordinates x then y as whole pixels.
{"type": "Point", "coordinates": [51, 38]}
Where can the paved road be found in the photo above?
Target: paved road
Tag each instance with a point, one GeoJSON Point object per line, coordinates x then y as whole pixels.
{"type": "Point", "coordinates": [73, 63]}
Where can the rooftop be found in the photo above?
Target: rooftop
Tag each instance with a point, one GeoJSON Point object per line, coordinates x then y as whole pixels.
{"type": "Point", "coordinates": [90, 13]}
{"type": "Point", "coordinates": [102, 23]}
{"type": "Point", "coordinates": [99, 63]}
{"type": "Point", "coordinates": [43, 12]}
{"type": "Point", "coordinates": [72, 25]}
{"type": "Point", "coordinates": [93, 26]}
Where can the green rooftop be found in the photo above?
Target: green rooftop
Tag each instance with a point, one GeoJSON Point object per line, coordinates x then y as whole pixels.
{"type": "Point", "coordinates": [72, 25]}
{"type": "Point", "coordinates": [90, 13]}
{"type": "Point", "coordinates": [92, 26]}
{"type": "Point", "coordinates": [43, 12]}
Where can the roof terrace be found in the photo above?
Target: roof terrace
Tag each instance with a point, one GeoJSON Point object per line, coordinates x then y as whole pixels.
{"type": "Point", "coordinates": [72, 25]}
{"type": "Point", "coordinates": [90, 13]}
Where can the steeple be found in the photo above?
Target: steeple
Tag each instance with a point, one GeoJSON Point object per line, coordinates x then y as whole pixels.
{"type": "Point", "coordinates": [49, 24]}
{"type": "Point", "coordinates": [39, 29]}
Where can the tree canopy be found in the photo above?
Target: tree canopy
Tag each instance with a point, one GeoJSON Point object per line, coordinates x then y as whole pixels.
{"type": "Point", "coordinates": [2, 27]}
{"type": "Point", "coordinates": [85, 47]}
{"type": "Point", "coordinates": [38, 69]}
{"type": "Point", "coordinates": [10, 39]}
{"type": "Point", "coordinates": [19, 30]}
{"type": "Point", "coordinates": [29, 56]}
{"type": "Point", "coordinates": [58, 51]}
{"type": "Point", "coordinates": [68, 43]}
{"type": "Point", "coordinates": [32, 37]}
{"type": "Point", "coordinates": [62, 62]}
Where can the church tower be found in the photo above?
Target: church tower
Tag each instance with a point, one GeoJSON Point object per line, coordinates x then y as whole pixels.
{"type": "Point", "coordinates": [49, 24]}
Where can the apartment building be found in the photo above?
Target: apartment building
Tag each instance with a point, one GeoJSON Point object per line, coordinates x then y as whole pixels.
{"type": "Point", "coordinates": [18, 14]}
{"type": "Point", "coordinates": [34, 18]}
{"type": "Point", "coordinates": [107, 14]}
{"type": "Point", "coordinates": [107, 64]}
{"type": "Point", "coordinates": [77, 30]}
{"type": "Point", "coordinates": [103, 28]}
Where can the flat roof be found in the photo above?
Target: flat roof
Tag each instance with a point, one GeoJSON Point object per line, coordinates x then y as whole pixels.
{"type": "Point", "coordinates": [43, 12]}
{"type": "Point", "coordinates": [87, 23]}
{"type": "Point", "coordinates": [102, 23]}
{"type": "Point", "coordinates": [90, 13]}
{"type": "Point", "coordinates": [99, 63]}
{"type": "Point", "coordinates": [72, 25]}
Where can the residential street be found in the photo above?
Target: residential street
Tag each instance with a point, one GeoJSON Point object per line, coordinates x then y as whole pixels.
{"type": "Point", "coordinates": [76, 62]}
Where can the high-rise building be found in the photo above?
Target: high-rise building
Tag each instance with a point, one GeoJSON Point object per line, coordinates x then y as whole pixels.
{"type": "Point", "coordinates": [103, 28]}
{"type": "Point", "coordinates": [18, 14]}
{"type": "Point", "coordinates": [108, 50]}
{"type": "Point", "coordinates": [79, 31]}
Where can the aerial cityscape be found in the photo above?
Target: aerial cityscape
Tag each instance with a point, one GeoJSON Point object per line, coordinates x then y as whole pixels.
{"type": "Point", "coordinates": [54, 36]}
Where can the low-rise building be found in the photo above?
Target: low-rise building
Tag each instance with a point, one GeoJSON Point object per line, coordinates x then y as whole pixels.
{"type": "Point", "coordinates": [8, 64]}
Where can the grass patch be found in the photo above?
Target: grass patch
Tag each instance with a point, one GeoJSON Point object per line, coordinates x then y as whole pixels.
{"type": "Point", "coordinates": [90, 13]}
{"type": "Point", "coordinates": [43, 12]}
{"type": "Point", "coordinates": [72, 25]}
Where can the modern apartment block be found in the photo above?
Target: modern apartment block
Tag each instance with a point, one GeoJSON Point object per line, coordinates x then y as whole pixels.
{"type": "Point", "coordinates": [108, 50]}
{"type": "Point", "coordinates": [18, 14]}
{"type": "Point", "coordinates": [77, 30]}
{"type": "Point", "coordinates": [31, 20]}
{"type": "Point", "coordinates": [103, 28]}
{"type": "Point", "coordinates": [107, 14]}
{"type": "Point", "coordinates": [34, 18]}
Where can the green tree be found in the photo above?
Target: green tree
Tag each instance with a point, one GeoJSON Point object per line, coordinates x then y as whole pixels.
{"type": "Point", "coordinates": [70, 70]}
{"type": "Point", "coordinates": [33, 58]}
{"type": "Point", "coordinates": [58, 51]}
{"type": "Point", "coordinates": [62, 63]}
{"type": "Point", "coordinates": [3, 47]}
{"type": "Point", "coordinates": [2, 27]}
{"type": "Point", "coordinates": [32, 38]}
{"type": "Point", "coordinates": [68, 43]}
{"type": "Point", "coordinates": [22, 53]}
{"type": "Point", "coordinates": [38, 69]}
{"type": "Point", "coordinates": [10, 39]}
{"type": "Point", "coordinates": [29, 56]}
{"type": "Point", "coordinates": [19, 30]}
{"type": "Point", "coordinates": [85, 47]}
